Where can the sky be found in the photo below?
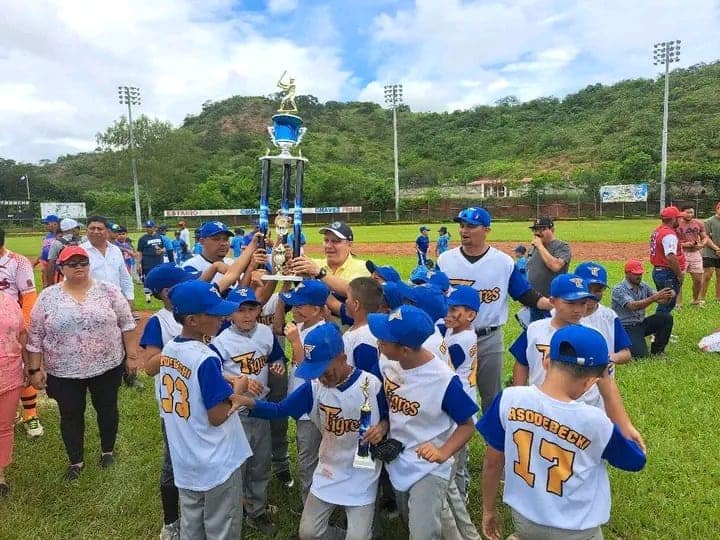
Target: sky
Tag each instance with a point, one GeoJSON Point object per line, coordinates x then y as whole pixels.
{"type": "Point", "coordinates": [62, 60]}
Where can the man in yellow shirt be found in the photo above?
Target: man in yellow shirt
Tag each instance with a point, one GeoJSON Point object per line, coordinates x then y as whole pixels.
{"type": "Point", "coordinates": [339, 267]}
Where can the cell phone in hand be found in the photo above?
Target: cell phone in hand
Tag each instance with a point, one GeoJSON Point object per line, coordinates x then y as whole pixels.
{"type": "Point", "coordinates": [669, 284]}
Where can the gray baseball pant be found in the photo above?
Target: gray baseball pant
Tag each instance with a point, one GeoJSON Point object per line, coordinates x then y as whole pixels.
{"type": "Point", "coordinates": [458, 524]}
{"type": "Point", "coordinates": [256, 469]}
{"type": "Point", "coordinates": [308, 446]}
{"type": "Point", "coordinates": [489, 368]}
{"type": "Point", "coordinates": [316, 516]}
{"type": "Point", "coordinates": [422, 506]}
{"type": "Point", "coordinates": [215, 514]}
{"type": "Point", "coordinates": [529, 530]}
{"type": "Point", "coordinates": [278, 385]}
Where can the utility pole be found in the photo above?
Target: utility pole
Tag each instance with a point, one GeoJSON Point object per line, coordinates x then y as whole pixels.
{"type": "Point", "coordinates": [665, 53]}
{"type": "Point", "coordinates": [130, 95]}
{"type": "Point", "coordinates": [393, 97]}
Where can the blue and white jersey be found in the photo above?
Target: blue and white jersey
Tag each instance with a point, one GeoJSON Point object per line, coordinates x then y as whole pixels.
{"type": "Point", "coordinates": [296, 382]}
{"type": "Point", "coordinates": [336, 413]}
{"type": "Point", "coordinates": [494, 276]}
{"type": "Point", "coordinates": [198, 263]}
{"type": "Point", "coordinates": [191, 382]}
{"type": "Point", "coordinates": [249, 353]}
{"type": "Point", "coordinates": [425, 404]}
{"type": "Point", "coordinates": [462, 349]}
{"type": "Point", "coordinates": [436, 345]}
{"type": "Point", "coordinates": [361, 349]}
{"type": "Point", "coordinates": [159, 330]}
{"type": "Point", "coordinates": [554, 451]}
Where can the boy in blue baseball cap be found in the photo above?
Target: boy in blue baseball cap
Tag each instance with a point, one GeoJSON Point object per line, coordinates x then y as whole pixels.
{"type": "Point", "coordinates": [382, 274]}
{"type": "Point", "coordinates": [604, 319]}
{"type": "Point", "coordinates": [569, 295]}
{"type": "Point", "coordinates": [332, 397]}
{"type": "Point", "coordinates": [307, 301]}
{"type": "Point", "coordinates": [422, 243]}
{"type": "Point", "coordinates": [551, 446]}
{"type": "Point", "coordinates": [422, 472]}
{"type": "Point", "coordinates": [207, 442]}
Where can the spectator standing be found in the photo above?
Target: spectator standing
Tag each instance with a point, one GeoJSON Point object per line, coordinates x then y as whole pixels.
{"type": "Point", "coordinates": [52, 228]}
{"type": "Point", "coordinates": [630, 299]}
{"type": "Point", "coordinates": [666, 255]}
{"type": "Point", "coordinates": [69, 236]}
{"type": "Point", "coordinates": [237, 242]}
{"type": "Point", "coordinates": [124, 244]}
{"type": "Point", "coordinates": [548, 258]}
{"type": "Point", "coordinates": [151, 248]}
{"type": "Point", "coordinates": [80, 330]}
{"type": "Point", "coordinates": [520, 259]}
{"type": "Point", "coordinates": [167, 244]}
{"type": "Point", "coordinates": [422, 244]}
{"type": "Point", "coordinates": [711, 254]}
{"type": "Point", "coordinates": [181, 252]}
{"type": "Point", "coordinates": [692, 237]}
{"type": "Point", "coordinates": [443, 241]}
{"type": "Point", "coordinates": [184, 232]}
{"type": "Point", "coordinates": [106, 260]}
{"type": "Point", "coordinates": [197, 246]}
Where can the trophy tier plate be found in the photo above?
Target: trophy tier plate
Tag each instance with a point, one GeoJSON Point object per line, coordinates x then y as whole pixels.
{"type": "Point", "coordinates": [281, 277]}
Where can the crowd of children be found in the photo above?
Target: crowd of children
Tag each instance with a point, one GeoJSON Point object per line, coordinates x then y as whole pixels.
{"type": "Point", "coordinates": [383, 411]}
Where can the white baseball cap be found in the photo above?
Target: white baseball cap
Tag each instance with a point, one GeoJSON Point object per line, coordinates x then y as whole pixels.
{"type": "Point", "coordinates": [67, 224]}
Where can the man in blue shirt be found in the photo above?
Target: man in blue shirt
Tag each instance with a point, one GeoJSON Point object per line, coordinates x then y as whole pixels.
{"type": "Point", "coordinates": [237, 242]}
{"type": "Point", "coordinates": [151, 248]}
{"type": "Point", "coordinates": [167, 243]}
{"type": "Point", "coordinates": [422, 243]}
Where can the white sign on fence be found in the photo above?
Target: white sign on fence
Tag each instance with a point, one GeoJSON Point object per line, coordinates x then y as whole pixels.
{"type": "Point", "coordinates": [73, 210]}
{"type": "Point", "coordinates": [255, 211]}
{"type": "Point", "coordinates": [623, 193]}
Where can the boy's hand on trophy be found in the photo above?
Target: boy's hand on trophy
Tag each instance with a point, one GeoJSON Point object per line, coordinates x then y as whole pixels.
{"type": "Point", "coordinates": [255, 387]}
{"type": "Point", "coordinates": [376, 433]}
{"type": "Point", "coordinates": [238, 402]}
{"type": "Point", "coordinates": [277, 368]}
{"type": "Point", "coordinates": [256, 278]}
{"type": "Point", "coordinates": [260, 258]}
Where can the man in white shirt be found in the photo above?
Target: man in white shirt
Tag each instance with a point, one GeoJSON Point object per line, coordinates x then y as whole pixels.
{"type": "Point", "coordinates": [106, 260]}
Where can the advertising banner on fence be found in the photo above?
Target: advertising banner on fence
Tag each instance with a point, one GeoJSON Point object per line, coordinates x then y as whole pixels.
{"type": "Point", "coordinates": [624, 193]}
{"type": "Point", "coordinates": [73, 210]}
{"type": "Point", "coordinates": [255, 212]}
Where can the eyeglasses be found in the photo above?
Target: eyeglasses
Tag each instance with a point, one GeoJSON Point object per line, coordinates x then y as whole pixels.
{"type": "Point", "coordinates": [77, 264]}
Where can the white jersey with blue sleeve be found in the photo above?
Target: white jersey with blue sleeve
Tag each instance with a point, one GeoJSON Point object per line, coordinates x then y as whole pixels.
{"type": "Point", "coordinates": [198, 263]}
{"type": "Point", "coordinates": [554, 452]}
{"type": "Point", "coordinates": [494, 276]}
{"type": "Point", "coordinates": [159, 330]}
{"type": "Point", "coordinates": [191, 382]}
{"type": "Point", "coordinates": [249, 353]}
{"type": "Point", "coordinates": [296, 382]}
{"type": "Point", "coordinates": [532, 347]}
{"type": "Point", "coordinates": [336, 413]}
{"type": "Point", "coordinates": [425, 404]}
{"type": "Point", "coordinates": [462, 349]}
{"type": "Point", "coordinates": [361, 349]}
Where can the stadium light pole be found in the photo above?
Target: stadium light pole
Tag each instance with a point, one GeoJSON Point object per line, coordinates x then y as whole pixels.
{"type": "Point", "coordinates": [665, 53]}
{"type": "Point", "coordinates": [130, 95]}
{"type": "Point", "coordinates": [393, 97]}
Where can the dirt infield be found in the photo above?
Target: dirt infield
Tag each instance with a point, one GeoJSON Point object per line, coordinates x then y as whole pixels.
{"type": "Point", "coordinates": [581, 251]}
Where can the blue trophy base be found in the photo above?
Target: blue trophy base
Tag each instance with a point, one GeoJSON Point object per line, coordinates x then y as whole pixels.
{"type": "Point", "coordinates": [286, 128]}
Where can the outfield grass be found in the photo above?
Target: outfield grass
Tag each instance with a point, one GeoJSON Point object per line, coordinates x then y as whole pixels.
{"type": "Point", "coordinates": [671, 401]}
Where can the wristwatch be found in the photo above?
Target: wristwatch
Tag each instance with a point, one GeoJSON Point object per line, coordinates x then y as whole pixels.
{"type": "Point", "coordinates": [321, 274]}
{"type": "Point", "coordinates": [33, 371]}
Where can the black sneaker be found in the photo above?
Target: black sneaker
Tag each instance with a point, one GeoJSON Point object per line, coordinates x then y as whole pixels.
{"type": "Point", "coordinates": [4, 490]}
{"type": "Point", "coordinates": [73, 472]}
{"type": "Point", "coordinates": [107, 460]}
{"type": "Point", "coordinates": [286, 478]}
{"type": "Point", "coordinates": [262, 523]}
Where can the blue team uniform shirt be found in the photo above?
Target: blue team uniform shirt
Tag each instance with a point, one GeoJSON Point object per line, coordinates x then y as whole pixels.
{"type": "Point", "coordinates": [237, 243]}
{"type": "Point", "coordinates": [443, 243]}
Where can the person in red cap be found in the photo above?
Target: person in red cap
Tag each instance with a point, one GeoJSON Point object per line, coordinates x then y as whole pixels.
{"type": "Point", "coordinates": [666, 255]}
{"type": "Point", "coordinates": [630, 299]}
{"type": "Point", "coordinates": [711, 254]}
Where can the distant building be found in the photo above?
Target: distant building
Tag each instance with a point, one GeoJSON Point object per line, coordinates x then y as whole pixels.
{"type": "Point", "coordinates": [497, 187]}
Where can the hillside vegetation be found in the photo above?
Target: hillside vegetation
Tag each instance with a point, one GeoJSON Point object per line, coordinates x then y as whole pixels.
{"type": "Point", "coordinates": [601, 134]}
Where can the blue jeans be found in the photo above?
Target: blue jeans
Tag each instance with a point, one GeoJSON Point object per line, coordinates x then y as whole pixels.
{"type": "Point", "coordinates": [664, 278]}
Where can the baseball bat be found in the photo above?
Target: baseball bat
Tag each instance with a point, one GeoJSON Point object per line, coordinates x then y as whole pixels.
{"type": "Point", "coordinates": [297, 215]}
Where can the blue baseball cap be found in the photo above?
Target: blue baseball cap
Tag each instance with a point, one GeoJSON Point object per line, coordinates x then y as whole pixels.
{"type": "Point", "coordinates": [424, 228]}
{"type": "Point", "coordinates": [474, 216]}
{"type": "Point", "coordinates": [419, 275]}
{"type": "Point", "coordinates": [322, 345]}
{"type": "Point", "coordinates": [394, 293]}
{"type": "Point", "coordinates": [52, 218]}
{"type": "Point", "coordinates": [440, 280]}
{"type": "Point", "coordinates": [428, 298]}
{"type": "Point", "coordinates": [569, 287]}
{"type": "Point", "coordinates": [311, 292]}
{"type": "Point", "coordinates": [211, 228]}
{"type": "Point", "coordinates": [580, 345]}
{"type": "Point", "coordinates": [242, 295]}
{"type": "Point", "coordinates": [149, 224]}
{"type": "Point", "coordinates": [166, 276]}
{"type": "Point", "coordinates": [466, 296]}
{"type": "Point", "coordinates": [406, 325]}
{"type": "Point", "coordinates": [592, 272]}
{"type": "Point", "coordinates": [199, 297]}
{"type": "Point", "coordinates": [388, 273]}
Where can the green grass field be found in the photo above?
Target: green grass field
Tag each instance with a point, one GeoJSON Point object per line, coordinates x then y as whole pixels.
{"type": "Point", "coordinates": [671, 401]}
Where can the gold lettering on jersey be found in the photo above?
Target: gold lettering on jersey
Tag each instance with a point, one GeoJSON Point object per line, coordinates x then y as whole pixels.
{"type": "Point", "coordinates": [456, 281]}
{"type": "Point", "coordinates": [566, 433]}
{"type": "Point", "coordinates": [398, 403]}
{"type": "Point", "coordinates": [336, 424]}
{"type": "Point", "coordinates": [166, 361]}
{"type": "Point", "coordinates": [544, 351]}
{"type": "Point", "coordinates": [488, 296]}
{"type": "Point", "coordinates": [249, 365]}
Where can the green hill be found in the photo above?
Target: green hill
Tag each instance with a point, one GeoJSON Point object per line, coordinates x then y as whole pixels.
{"type": "Point", "coordinates": [601, 134]}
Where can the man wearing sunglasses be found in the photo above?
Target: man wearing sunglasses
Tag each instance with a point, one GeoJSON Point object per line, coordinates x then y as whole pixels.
{"type": "Point", "coordinates": [493, 274]}
{"type": "Point", "coordinates": [548, 258]}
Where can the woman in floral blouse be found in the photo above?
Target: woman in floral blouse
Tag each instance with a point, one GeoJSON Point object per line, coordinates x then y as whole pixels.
{"type": "Point", "coordinates": [12, 342]}
{"type": "Point", "coordinates": [80, 330]}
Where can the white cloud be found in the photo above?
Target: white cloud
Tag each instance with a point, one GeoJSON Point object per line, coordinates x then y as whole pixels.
{"type": "Point", "coordinates": [282, 6]}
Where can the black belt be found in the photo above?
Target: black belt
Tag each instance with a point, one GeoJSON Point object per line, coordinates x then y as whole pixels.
{"type": "Point", "coordinates": [480, 332]}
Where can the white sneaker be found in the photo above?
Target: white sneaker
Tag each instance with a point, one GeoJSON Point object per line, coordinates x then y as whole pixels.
{"type": "Point", "coordinates": [171, 531]}
{"type": "Point", "coordinates": [33, 427]}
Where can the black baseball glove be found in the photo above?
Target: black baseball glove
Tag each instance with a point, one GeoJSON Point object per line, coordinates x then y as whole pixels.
{"type": "Point", "coordinates": [386, 450]}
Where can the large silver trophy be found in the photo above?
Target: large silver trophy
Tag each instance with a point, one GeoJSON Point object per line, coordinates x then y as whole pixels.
{"type": "Point", "coordinates": [286, 133]}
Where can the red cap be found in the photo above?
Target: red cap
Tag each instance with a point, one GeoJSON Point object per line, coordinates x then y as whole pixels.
{"type": "Point", "coordinates": [71, 251]}
{"type": "Point", "coordinates": [670, 212]}
{"type": "Point", "coordinates": [634, 267]}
